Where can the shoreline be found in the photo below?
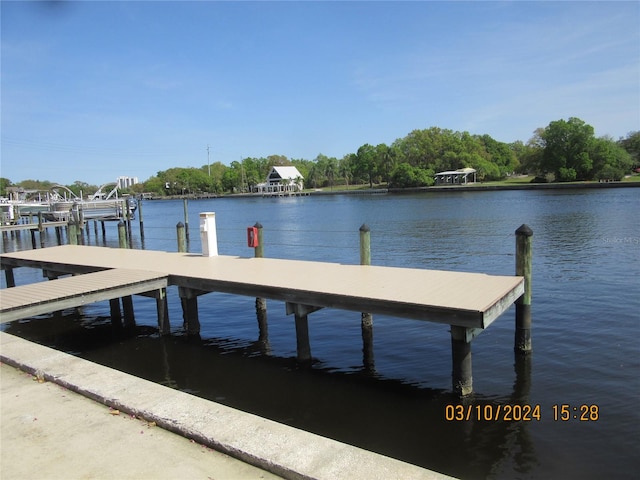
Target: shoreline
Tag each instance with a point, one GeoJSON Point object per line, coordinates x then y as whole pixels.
{"type": "Point", "coordinates": [519, 186]}
{"type": "Point", "coordinates": [476, 187]}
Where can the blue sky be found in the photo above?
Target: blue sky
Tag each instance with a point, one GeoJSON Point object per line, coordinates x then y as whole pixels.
{"type": "Point", "coordinates": [95, 90]}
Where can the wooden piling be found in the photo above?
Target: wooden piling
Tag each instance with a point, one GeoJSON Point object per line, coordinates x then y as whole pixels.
{"type": "Point", "coordinates": [41, 229]}
{"type": "Point", "coordinates": [141, 220]}
{"type": "Point", "coordinates": [127, 216]}
{"type": "Point", "coordinates": [162, 308]}
{"type": "Point", "coordinates": [524, 257]}
{"type": "Point", "coordinates": [72, 234]}
{"type": "Point", "coordinates": [461, 374]}
{"type": "Point", "coordinates": [261, 303]}
{"type": "Point", "coordinates": [186, 218]}
{"type": "Point", "coordinates": [80, 224]}
{"type": "Point", "coordinates": [129, 316]}
{"type": "Point", "coordinates": [116, 313]}
{"type": "Point", "coordinates": [190, 315]}
{"type": "Point", "coordinates": [303, 346]}
{"type": "Point", "coordinates": [302, 339]}
{"type": "Point", "coordinates": [122, 235]}
{"type": "Point", "coordinates": [366, 318]}
{"type": "Point", "coordinates": [9, 277]}
{"type": "Point", "coordinates": [182, 240]}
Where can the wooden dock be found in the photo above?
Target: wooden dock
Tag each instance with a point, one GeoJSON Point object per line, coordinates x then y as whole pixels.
{"type": "Point", "coordinates": [469, 302]}
{"type": "Point", "coordinates": [69, 292]}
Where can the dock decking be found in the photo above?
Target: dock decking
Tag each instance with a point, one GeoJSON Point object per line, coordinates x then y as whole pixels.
{"type": "Point", "coordinates": [44, 297]}
{"type": "Point", "coordinates": [469, 302]}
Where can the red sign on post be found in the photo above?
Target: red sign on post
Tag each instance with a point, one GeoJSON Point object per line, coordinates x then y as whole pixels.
{"type": "Point", "coordinates": [252, 237]}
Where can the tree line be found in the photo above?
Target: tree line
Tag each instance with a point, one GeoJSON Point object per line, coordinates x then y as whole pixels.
{"type": "Point", "coordinates": [565, 150]}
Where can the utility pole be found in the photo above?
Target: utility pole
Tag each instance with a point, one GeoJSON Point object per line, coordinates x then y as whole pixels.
{"type": "Point", "coordinates": [208, 162]}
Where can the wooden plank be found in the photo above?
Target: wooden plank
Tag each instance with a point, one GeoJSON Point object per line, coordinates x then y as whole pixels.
{"type": "Point", "coordinates": [44, 297]}
{"type": "Point", "coordinates": [471, 300]}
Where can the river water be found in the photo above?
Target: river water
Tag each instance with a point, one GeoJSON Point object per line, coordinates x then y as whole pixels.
{"type": "Point", "coordinates": [586, 325]}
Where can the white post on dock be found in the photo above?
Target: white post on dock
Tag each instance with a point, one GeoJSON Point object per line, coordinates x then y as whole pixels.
{"type": "Point", "coordinates": [208, 235]}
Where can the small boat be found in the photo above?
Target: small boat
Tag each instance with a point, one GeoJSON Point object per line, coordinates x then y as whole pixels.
{"type": "Point", "coordinates": [65, 205]}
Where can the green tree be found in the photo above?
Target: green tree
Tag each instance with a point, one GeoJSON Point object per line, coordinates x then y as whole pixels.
{"type": "Point", "coordinates": [500, 154]}
{"type": "Point", "coordinates": [155, 185]}
{"type": "Point", "coordinates": [215, 182]}
{"type": "Point", "coordinates": [331, 170]}
{"type": "Point", "coordinates": [527, 155]}
{"type": "Point", "coordinates": [631, 143]}
{"type": "Point", "coordinates": [610, 160]}
{"type": "Point", "coordinates": [232, 177]}
{"type": "Point", "coordinates": [406, 176]}
{"type": "Point", "coordinates": [385, 161]}
{"type": "Point", "coordinates": [36, 185]}
{"type": "Point", "coordinates": [345, 168]}
{"type": "Point", "coordinates": [365, 163]}
{"type": "Point", "coordinates": [4, 183]}
{"type": "Point", "coordinates": [82, 189]}
{"type": "Point", "coordinates": [567, 145]}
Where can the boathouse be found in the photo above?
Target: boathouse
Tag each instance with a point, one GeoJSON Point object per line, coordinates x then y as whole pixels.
{"type": "Point", "coordinates": [456, 177]}
{"type": "Point", "coordinates": [281, 179]}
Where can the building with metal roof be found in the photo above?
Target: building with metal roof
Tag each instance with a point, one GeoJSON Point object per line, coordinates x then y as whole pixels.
{"type": "Point", "coordinates": [282, 179]}
{"type": "Point", "coordinates": [456, 177]}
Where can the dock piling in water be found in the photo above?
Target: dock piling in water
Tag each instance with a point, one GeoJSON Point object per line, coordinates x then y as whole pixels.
{"type": "Point", "coordinates": [261, 303]}
{"type": "Point", "coordinates": [186, 217]}
{"type": "Point", "coordinates": [122, 235]}
{"type": "Point", "coordinates": [524, 254]}
{"type": "Point", "coordinates": [73, 234]}
{"type": "Point", "coordinates": [303, 346]}
{"type": "Point", "coordinates": [41, 230]}
{"type": "Point", "coordinates": [182, 239]}
{"type": "Point", "coordinates": [461, 374]}
{"type": "Point", "coordinates": [141, 220]}
{"type": "Point", "coordinates": [366, 322]}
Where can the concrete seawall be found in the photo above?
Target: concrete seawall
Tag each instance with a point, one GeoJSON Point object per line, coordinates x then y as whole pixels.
{"type": "Point", "coordinates": [478, 187]}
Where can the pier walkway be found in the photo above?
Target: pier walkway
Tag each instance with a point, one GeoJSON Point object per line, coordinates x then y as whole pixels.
{"type": "Point", "coordinates": [468, 302]}
{"type": "Point", "coordinates": [69, 292]}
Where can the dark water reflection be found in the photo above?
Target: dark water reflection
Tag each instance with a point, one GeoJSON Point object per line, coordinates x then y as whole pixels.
{"type": "Point", "coordinates": [384, 415]}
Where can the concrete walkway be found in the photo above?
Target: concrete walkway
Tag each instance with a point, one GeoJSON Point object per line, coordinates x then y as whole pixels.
{"type": "Point", "coordinates": [51, 430]}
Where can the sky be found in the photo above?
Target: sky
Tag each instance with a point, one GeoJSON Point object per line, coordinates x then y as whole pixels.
{"type": "Point", "coordinates": [93, 90]}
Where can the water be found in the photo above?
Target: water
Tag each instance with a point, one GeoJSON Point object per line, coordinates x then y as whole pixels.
{"type": "Point", "coordinates": [585, 330]}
